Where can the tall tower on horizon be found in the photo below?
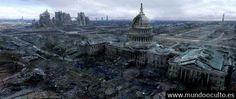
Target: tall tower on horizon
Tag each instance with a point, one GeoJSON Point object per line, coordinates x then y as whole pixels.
{"type": "Point", "coordinates": [107, 18]}
{"type": "Point", "coordinates": [223, 18]}
{"type": "Point", "coordinates": [141, 8]}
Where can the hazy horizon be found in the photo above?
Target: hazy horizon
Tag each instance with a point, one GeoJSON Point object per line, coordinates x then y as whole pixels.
{"type": "Point", "coordinates": [192, 10]}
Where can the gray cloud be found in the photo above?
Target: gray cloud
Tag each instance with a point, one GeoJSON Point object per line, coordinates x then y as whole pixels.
{"type": "Point", "coordinates": [154, 9]}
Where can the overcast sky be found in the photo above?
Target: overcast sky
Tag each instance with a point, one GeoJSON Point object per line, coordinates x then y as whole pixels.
{"type": "Point", "coordinates": [123, 9]}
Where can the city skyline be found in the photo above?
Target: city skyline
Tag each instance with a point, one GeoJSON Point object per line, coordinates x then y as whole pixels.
{"type": "Point", "coordinates": [156, 10]}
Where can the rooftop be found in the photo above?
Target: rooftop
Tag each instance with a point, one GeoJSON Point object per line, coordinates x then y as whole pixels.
{"type": "Point", "coordinates": [203, 58]}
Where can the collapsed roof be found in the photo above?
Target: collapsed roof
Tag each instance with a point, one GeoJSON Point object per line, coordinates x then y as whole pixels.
{"type": "Point", "coordinates": [202, 58]}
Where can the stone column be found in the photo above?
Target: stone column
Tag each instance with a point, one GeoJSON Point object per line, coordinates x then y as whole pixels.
{"type": "Point", "coordinates": [190, 76]}
{"type": "Point", "coordinates": [208, 78]}
{"type": "Point", "coordinates": [193, 76]}
{"type": "Point", "coordinates": [181, 73]}
{"type": "Point", "coordinates": [184, 75]}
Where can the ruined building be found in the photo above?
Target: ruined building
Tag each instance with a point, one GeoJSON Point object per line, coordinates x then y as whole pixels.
{"type": "Point", "coordinates": [140, 48]}
{"type": "Point", "coordinates": [44, 20]}
{"type": "Point", "coordinates": [62, 19]}
{"type": "Point", "coordinates": [82, 20]}
{"type": "Point", "coordinates": [34, 23]}
{"type": "Point", "coordinates": [200, 67]}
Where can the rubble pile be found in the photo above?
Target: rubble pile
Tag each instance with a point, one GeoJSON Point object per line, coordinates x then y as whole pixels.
{"type": "Point", "coordinates": [47, 75]}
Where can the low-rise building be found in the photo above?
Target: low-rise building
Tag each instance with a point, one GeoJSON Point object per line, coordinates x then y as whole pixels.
{"type": "Point", "coordinates": [199, 67]}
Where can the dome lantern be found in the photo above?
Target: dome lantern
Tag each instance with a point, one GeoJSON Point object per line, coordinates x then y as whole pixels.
{"type": "Point", "coordinates": [141, 9]}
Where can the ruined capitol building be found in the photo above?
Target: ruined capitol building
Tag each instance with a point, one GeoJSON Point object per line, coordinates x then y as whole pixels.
{"type": "Point", "coordinates": [199, 67]}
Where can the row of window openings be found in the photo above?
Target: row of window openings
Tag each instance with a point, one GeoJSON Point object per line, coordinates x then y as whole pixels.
{"type": "Point", "coordinates": [173, 68]}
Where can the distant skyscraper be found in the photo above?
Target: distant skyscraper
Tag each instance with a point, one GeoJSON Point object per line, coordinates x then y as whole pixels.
{"type": "Point", "coordinates": [107, 18]}
{"type": "Point", "coordinates": [82, 19]}
{"type": "Point", "coordinates": [87, 20]}
{"type": "Point", "coordinates": [22, 18]}
{"type": "Point", "coordinates": [61, 18]}
{"type": "Point", "coordinates": [44, 19]}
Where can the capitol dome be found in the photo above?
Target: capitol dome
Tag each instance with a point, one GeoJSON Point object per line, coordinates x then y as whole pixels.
{"type": "Point", "coordinates": [140, 35]}
{"type": "Point", "coordinates": [141, 21]}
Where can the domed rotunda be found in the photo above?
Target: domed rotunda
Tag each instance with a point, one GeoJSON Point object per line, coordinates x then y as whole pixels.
{"type": "Point", "coordinates": [140, 35]}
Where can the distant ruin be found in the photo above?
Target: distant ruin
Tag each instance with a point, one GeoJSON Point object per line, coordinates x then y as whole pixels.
{"type": "Point", "coordinates": [61, 19]}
